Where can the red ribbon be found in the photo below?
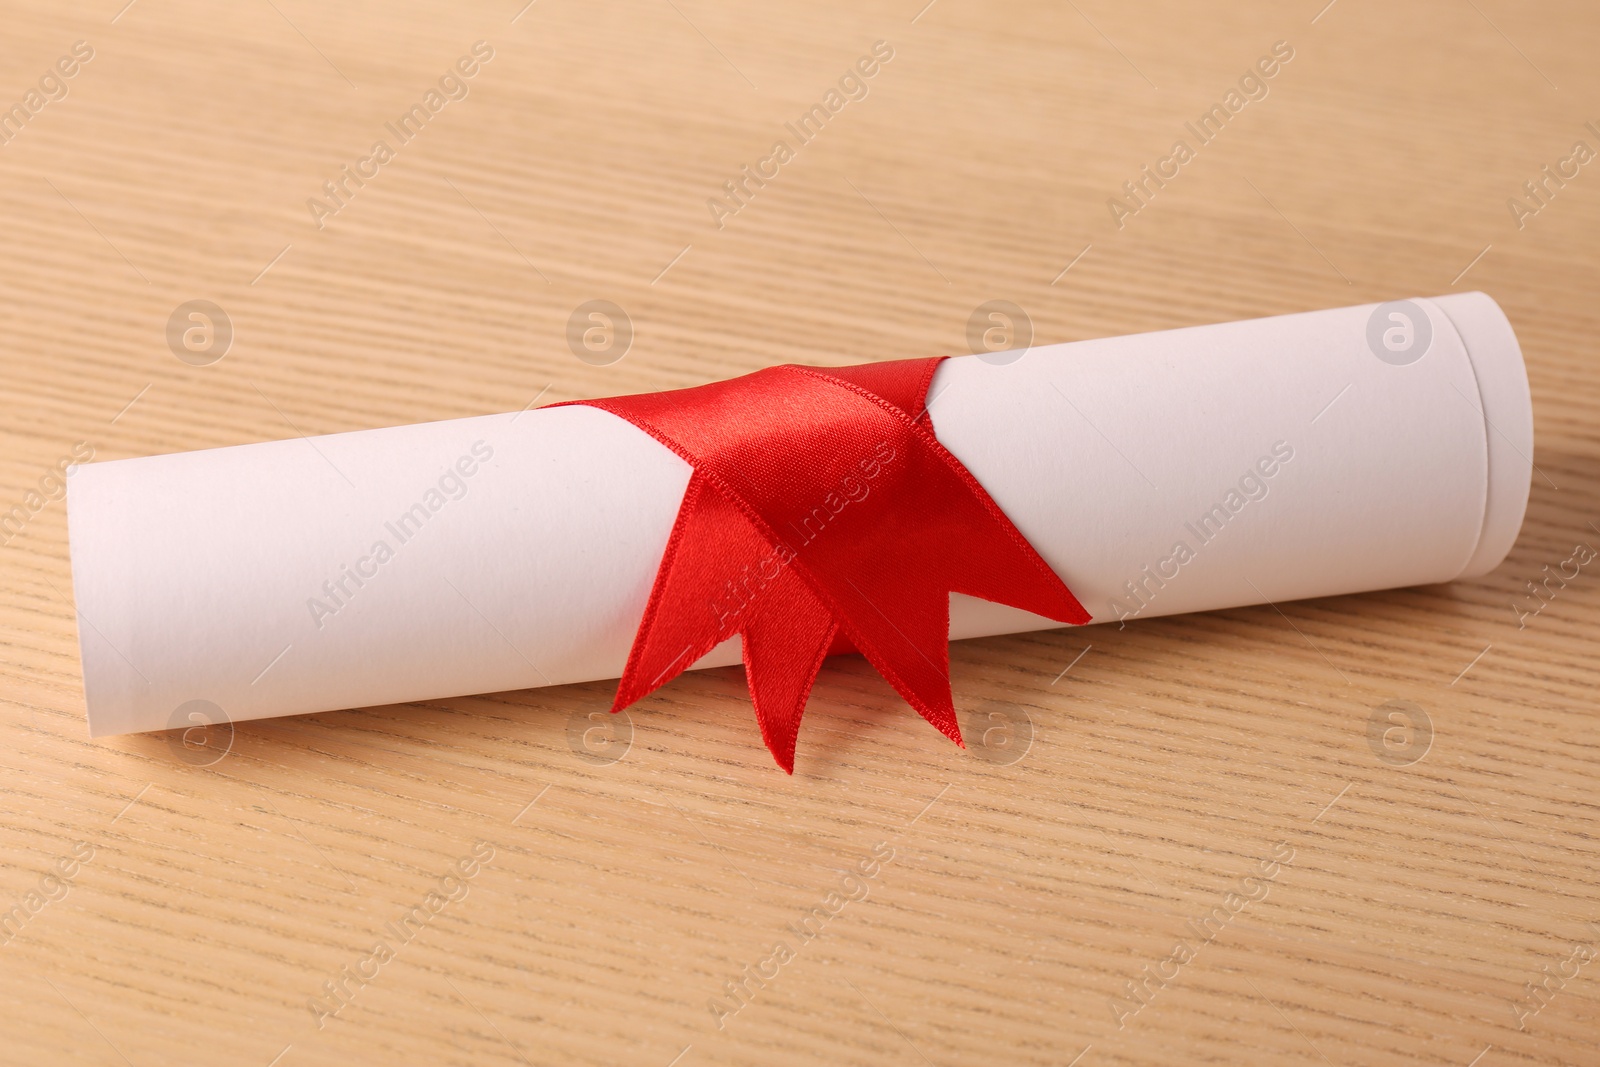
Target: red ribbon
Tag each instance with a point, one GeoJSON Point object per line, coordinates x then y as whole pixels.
{"type": "Point", "coordinates": [823, 516]}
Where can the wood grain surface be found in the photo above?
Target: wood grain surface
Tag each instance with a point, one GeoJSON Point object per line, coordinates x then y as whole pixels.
{"type": "Point", "coordinates": [1195, 839]}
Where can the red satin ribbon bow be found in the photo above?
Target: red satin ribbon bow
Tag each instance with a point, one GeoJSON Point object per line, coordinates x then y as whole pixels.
{"type": "Point", "coordinates": [823, 515]}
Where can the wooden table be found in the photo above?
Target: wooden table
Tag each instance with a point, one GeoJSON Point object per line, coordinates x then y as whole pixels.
{"type": "Point", "coordinates": [1423, 890]}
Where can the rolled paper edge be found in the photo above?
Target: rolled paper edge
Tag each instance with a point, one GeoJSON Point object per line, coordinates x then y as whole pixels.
{"type": "Point", "coordinates": [1507, 408]}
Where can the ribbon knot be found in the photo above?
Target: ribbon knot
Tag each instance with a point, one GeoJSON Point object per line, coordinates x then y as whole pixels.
{"type": "Point", "coordinates": [822, 516]}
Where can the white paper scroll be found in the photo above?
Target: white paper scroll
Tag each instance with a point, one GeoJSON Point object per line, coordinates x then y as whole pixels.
{"type": "Point", "coordinates": [1305, 455]}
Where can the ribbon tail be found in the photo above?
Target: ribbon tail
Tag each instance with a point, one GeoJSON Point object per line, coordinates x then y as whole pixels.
{"type": "Point", "coordinates": [693, 605]}
{"type": "Point", "coordinates": [785, 642]}
{"type": "Point", "coordinates": [912, 653]}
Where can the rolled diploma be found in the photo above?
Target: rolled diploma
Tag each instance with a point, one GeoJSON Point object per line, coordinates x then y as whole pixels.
{"type": "Point", "coordinates": [511, 551]}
